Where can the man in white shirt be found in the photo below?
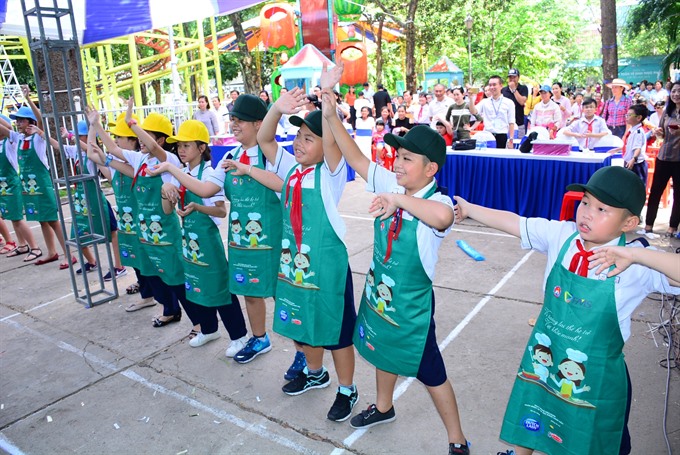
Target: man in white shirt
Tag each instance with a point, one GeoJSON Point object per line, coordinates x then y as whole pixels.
{"type": "Point", "coordinates": [498, 113]}
{"type": "Point", "coordinates": [439, 104]}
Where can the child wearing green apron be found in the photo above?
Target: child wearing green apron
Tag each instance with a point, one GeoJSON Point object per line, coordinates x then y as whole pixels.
{"type": "Point", "coordinates": [158, 232]}
{"type": "Point", "coordinates": [40, 200]}
{"type": "Point", "coordinates": [129, 248]}
{"type": "Point", "coordinates": [581, 406]}
{"type": "Point", "coordinates": [395, 328]}
{"type": "Point", "coordinates": [203, 258]}
{"type": "Point", "coordinates": [252, 268]}
{"type": "Point", "coordinates": [11, 200]}
{"type": "Point", "coordinates": [315, 301]}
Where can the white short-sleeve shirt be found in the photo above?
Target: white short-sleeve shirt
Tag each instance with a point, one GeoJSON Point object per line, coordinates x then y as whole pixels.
{"type": "Point", "coordinates": [632, 285]}
{"type": "Point", "coordinates": [208, 171]}
{"type": "Point", "coordinates": [429, 239]}
{"type": "Point", "coordinates": [11, 151]}
{"type": "Point", "coordinates": [136, 159]}
{"type": "Point", "coordinates": [38, 143]}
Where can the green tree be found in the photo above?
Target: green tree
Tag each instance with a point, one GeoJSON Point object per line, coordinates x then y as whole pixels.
{"type": "Point", "coordinates": [660, 18]}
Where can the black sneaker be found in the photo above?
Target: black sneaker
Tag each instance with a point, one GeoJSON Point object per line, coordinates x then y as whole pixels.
{"type": "Point", "coordinates": [458, 449]}
{"type": "Point", "coordinates": [88, 268]}
{"type": "Point", "coordinates": [343, 405]}
{"type": "Point", "coordinates": [372, 416]}
{"type": "Point", "coordinates": [303, 382]}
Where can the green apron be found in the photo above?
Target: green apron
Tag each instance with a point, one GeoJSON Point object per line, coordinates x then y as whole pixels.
{"type": "Point", "coordinates": [254, 234]}
{"type": "Point", "coordinates": [396, 305]}
{"type": "Point", "coordinates": [11, 201]}
{"type": "Point", "coordinates": [310, 299]}
{"type": "Point", "coordinates": [40, 201]}
{"type": "Point", "coordinates": [81, 205]}
{"type": "Point", "coordinates": [205, 264]}
{"type": "Point", "coordinates": [576, 336]}
{"type": "Point", "coordinates": [158, 232]}
{"type": "Point", "coordinates": [128, 242]}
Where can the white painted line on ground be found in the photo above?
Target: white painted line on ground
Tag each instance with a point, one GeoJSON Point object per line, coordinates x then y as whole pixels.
{"type": "Point", "coordinates": [403, 387]}
{"type": "Point", "coordinates": [7, 446]}
{"type": "Point", "coordinates": [254, 428]}
{"type": "Point", "coordinates": [42, 305]}
{"type": "Point", "coordinates": [497, 234]}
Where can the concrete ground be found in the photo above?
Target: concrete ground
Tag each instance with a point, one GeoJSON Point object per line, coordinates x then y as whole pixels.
{"type": "Point", "coordinates": [103, 381]}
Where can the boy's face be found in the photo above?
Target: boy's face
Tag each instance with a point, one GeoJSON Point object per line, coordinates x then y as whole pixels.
{"type": "Point", "coordinates": [545, 96]}
{"type": "Point", "coordinates": [632, 118]}
{"type": "Point", "coordinates": [413, 171]}
{"type": "Point", "coordinates": [599, 223]}
{"type": "Point", "coordinates": [589, 110]}
{"type": "Point", "coordinates": [308, 147]}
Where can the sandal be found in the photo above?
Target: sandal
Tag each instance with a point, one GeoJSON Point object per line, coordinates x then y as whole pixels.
{"type": "Point", "coordinates": [32, 256]}
{"type": "Point", "coordinates": [158, 322]}
{"type": "Point", "coordinates": [64, 265]}
{"type": "Point", "coordinates": [9, 246]}
{"type": "Point", "coordinates": [144, 303]}
{"type": "Point", "coordinates": [18, 251]}
{"type": "Point", "coordinates": [48, 260]}
{"type": "Point", "coordinates": [133, 288]}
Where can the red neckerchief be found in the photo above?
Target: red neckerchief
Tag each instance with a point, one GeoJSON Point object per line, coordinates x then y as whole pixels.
{"type": "Point", "coordinates": [393, 233]}
{"type": "Point", "coordinates": [141, 171]}
{"type": "Point", "coordinates": [245, 159]}
{"type": "Point", "coordinates": [296, 206]}
{"type": "Point", "coordinates": [581, 257]}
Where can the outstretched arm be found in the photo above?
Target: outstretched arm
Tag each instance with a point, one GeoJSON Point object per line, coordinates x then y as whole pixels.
{"type": "Point", "coordinates": [497, 219]}
{"type": "Point", "coordinates": [199, 188]}
{"type": "Point", "coordinates": [433, 213]}
{"type": "Point", "coordinates": [347, 146]}
{"type": "Point", "coordinates": [97, 156]}
{"type": "Point", "coordinates": [96, 125]}
{"type": "Point", "coordinates": [266, 178]}
{"type": "Point", "coordinates": [288, 103]}
{"type": "Point", "coordinates": [27, 96]}
{"type": "Point", "coordinates": [622, 258]}
{"type": "Point", "coordinates": [145, 138]}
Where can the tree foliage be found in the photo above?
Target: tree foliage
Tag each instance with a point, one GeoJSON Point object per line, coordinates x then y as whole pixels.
{"type": "Point", "coordinates": [660, 18]}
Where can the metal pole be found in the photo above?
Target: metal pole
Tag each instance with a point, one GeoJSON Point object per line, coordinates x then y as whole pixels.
{"type": "Point", "coordinates": [470, 55]}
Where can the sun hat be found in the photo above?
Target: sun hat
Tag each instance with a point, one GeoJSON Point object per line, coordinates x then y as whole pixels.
{"type": "Point", "coordinates": [249, 108]}
{"type": "Point", "coordinates": [313, 122]}
{"type": "Point", "coordinates": [23, 112]}
{"type": "Point", "coordinates": [82, 128]}
{"type": "Point", "coordinates": [5, 118]}
{"type": "Point", "coordinates": [615, 186]}
{"type": "Point", "coordinates": [421, 140]}
{"type": "Point", "coordinates": [619, 82]}
{"type": "Point", "coordinates": [544, 88]}
{"type": "Point", "coordinates": [121, 128]}
{"type": "Point", "coordinates": [191, 130]}
{"type": "Point", "coordinates": [157, 123]}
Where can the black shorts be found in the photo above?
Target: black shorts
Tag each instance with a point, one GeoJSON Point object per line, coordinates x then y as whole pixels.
{"type": "Point", "coordinates": [432, 371]}
{"type": "Point", "coordinates": [113, 223]}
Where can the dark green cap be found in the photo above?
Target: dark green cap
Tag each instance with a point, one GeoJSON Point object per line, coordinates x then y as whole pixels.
{"type": "Point", "coordinates": [313, 121]}
{"type": "Point", "coordinates": [249, 108]}
{"type": "Point", "coordinates": [421, 140]}
{"type": "Point", "coordinates": [615, 186]}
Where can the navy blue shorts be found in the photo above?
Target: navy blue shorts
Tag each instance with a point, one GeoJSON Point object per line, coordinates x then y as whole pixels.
{"type": "Point", "coordinates": [432, 371]}
{"type": "Point", "coordinates": [113, 223]}
{"type": "Point", "coordinates": [349, 317]}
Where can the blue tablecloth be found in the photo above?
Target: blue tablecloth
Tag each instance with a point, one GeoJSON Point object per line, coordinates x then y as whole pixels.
{"type": "Point", "coordinates": [525, 184]}
{"type": "Point", "coordinates": [218, 151]}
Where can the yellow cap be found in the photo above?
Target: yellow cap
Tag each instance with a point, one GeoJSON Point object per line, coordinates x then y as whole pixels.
{"type": "Point", "coordinates": [121, 129]}
{"type": "Point", "coordinates": [191, 130]}
{"type": "Point", "coordinates": [157, 123]}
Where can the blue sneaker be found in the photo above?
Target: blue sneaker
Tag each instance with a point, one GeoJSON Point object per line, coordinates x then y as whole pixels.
{"type": "Point", "coordinates": [254, 347]}
{"type": "Point", "coordinates": [299, 363]}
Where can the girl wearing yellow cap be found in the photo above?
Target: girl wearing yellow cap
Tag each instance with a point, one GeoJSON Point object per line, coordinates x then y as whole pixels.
{"type": "Point", "coordinates": [204, 261]}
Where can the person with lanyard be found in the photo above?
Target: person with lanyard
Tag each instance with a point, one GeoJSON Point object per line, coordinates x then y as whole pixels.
{"type": "Point", "coordinates": [498, 114]}
{"type": "Point", "coordinates": [589, 128]}
{"type": "Point", "coordinates": [11, 199]}
{"type": "Point", "coordinates": [252, 269]}
{"type": "Point", "coordinates": [203, 260]}
{"type": "Point", "coordinates": [459, 115]}
{"type": "Point", "coordinates": [615, 108]}
{"type": "Point", "coordinates": [104, 221]}
{"type": "Point", "coordinates": [159, 232]}
{"type": "Point", "coordinates": [39, 197]}
{"type": "Point", "coordinates": [314, 296]}
{"type": "Point", "coordinates": [395, 328]}
{"type": "Point", "coordinates": [583, 406]}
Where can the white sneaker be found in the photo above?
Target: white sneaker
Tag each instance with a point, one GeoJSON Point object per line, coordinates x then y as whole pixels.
{"type": "Point", "coordinates": [201, 339]}
{"type": "Point", "coordinates": [236, 345]}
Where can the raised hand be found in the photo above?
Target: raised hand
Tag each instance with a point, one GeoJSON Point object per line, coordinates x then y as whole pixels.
{"type": "Point", "coordinates": [92, 116]}
{"type": "Point", "coordinates": [25, 91]}
{"type": "Point", "coordinates": [292, 101]}
{"type": "Point", "coordinates": [128, 113]}
{"type": "Point", "coordinates": [328, 105]}
{"type": "Point", "coordinates": [331, 77]}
